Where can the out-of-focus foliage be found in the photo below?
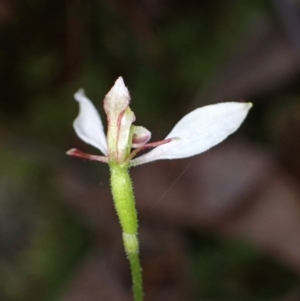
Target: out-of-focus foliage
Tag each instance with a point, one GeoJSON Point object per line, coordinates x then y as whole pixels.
{"type": "Point", "coordinates": [232, 269]}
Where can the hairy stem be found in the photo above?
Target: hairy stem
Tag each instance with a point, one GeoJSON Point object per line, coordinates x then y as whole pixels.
{"type": "Point", "coordinates": [123, 196]}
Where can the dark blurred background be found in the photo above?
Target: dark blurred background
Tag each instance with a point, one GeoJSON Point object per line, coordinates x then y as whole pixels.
{"type": "Point", "coordinates": [224, 225]}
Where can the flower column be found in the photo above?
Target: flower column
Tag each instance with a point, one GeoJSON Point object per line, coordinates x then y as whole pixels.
{"type": "Point", "coordinates": [119, 140]}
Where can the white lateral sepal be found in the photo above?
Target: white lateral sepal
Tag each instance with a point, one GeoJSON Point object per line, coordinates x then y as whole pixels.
{"type": "Point", "coordinates": [198, 131]}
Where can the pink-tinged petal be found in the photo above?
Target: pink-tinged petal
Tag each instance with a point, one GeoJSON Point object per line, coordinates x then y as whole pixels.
{"type": "Point", "coordinates": [76, 153]}
{"type": "Point", "coordinates": [118, 97]}
{"type": "Point", "coordinates": [198, 131]}
{"type": "Point", "coordinates": [122, 142]}
{"type": "Point", "coordinates": [145, 146]}
{"type": "Point", "coordinates": [88, 125]}
{"type": "Point", "coordinates": [140, 136]}
{"type": "Point", "coordinates": [116, 102]}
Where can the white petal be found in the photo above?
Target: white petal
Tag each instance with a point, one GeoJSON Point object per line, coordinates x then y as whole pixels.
{"type": "Point", "coordinates": [116, 100]}
{"type": "Point", "coordinates": [198, 131]}
{"type": "Point", "coordinates": [88, 125]}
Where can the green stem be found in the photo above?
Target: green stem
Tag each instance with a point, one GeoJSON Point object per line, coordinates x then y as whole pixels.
{"type": "Point", "coordinates": [123, 196]}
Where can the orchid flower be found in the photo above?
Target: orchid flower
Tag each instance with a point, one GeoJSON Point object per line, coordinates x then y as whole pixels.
{"type": "Point", "coordinates": [195, 133]}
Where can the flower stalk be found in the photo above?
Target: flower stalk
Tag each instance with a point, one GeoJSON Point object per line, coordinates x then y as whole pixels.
{"type": "Point", "coordinates": [123, 195]}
